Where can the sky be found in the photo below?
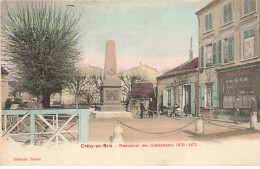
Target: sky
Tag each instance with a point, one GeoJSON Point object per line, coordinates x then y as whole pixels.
{"type": "Point", "coordinates": [152, 32]}
{"type": "Point", "coordinates": [155, 33]}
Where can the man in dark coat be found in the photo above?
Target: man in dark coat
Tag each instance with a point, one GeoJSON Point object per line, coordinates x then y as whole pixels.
{"type": "Point", "coordinates": [142, 108]}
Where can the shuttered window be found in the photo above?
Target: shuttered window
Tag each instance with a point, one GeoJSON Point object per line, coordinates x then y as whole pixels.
{"type": "Point", "coordinates": [229, 53]}
{"type": "Point", "coordinates": [165, 98]}
{"type": "Point", "coordinates": [202, 96]}
{"type": "Point", "coordinates": [249, 6]}
{"type": "Point", "coordinates": [227, 15]}
{"type": "Point", "coordinates": [168, 97]}
{"type": "Point", "coordinates": [208, 22]}
{"type": "Point", "coordinates": [193, 98]}
{"type": "Point", "coordinates": [172, 97]}
{"type": "Point", "coordinates": [249, 44]}
{"type": "Point", "coordinates": [214, 54]}
{"type": "Point", "coordinates": [219, 54]}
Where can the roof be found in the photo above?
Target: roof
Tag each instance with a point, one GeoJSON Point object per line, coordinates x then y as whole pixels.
{"type": "Point", "coordinates": [205, 7]}
{"type": "Point", "coordinates": [136, 67]}
{"type": "Point", "coordinates": [190, 66]}
{"type": "Point", "coordinates": [3, 71]}
{"type": "Point", "coordinates": [143, 90]}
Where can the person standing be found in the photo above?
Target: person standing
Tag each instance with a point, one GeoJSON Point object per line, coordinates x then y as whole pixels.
{"type": "Point", "coordinates": [142, 109]}
{"type": "Point", "coordinates": [236, 109]}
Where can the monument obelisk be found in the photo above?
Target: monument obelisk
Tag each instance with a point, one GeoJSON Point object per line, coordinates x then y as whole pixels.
{"type": "Point", "coordinates": [111, 86]}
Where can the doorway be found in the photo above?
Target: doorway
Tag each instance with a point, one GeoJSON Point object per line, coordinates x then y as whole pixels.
{"type": "Point", "coordinates": [187, 99]}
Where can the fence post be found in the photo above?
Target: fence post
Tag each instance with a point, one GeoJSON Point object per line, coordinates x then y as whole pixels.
{"type": "Point", "coordinates": [117, 133]}
{"type": "Point", "coordinates": [199, 128]}
{"type": "Point", "coordinates": [253, 121]}
{"type": "Point", "coordinates": [83, 126]}
{"type": "Point", "coordinates": [32, 119]}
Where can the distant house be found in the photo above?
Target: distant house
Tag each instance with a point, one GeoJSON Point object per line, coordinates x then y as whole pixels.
{"type": "Point", "coordinates": [179, 86]}
{"type": "Point", "coordinates": [139, 74]}
{"type": "Point", "coordinates": [142, 91]}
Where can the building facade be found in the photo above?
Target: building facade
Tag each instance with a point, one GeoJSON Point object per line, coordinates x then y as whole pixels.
{"type": "Point", "coordinates": [229, 55]}
{"type": "Point", "coordinates": [179, 86]}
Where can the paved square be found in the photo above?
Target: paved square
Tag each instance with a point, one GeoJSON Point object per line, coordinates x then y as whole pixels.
{"type": "Point", "coordinates": [101, 130]}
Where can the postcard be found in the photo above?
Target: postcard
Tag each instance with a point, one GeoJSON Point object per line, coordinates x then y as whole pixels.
{"type": "Point", "coordinates": [130, 83]}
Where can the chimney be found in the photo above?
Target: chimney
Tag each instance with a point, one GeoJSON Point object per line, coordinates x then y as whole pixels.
{"type": "Point", "coordinates": [191, 51]}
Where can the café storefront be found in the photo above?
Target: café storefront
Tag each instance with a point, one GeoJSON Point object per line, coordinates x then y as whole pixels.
{"type": "Point", "coordinates": [242, 81]}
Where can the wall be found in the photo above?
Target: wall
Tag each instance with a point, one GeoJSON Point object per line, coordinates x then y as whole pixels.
{"type": "Point", "coordinates": [221, 31]}
{"type": "Point", "coordinates": [177, 81]}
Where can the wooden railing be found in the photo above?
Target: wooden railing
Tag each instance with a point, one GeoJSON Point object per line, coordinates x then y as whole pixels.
{"type": "Point", "coordinates": [55, 123]}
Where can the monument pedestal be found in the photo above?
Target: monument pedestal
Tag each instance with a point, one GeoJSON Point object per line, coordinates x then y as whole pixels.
{"type": "Point", "coordinates": [114, 107]}
{"type": "Point", "coordinates": [110, 114]}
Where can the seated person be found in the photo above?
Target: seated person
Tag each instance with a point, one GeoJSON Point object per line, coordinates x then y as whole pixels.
{"type": "Point", "coordinates": [175, 108]}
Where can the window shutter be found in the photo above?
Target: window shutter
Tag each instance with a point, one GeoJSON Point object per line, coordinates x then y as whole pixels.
{"type": "Point", "coordinates": [251, 32]}
{"type": "Point", "coordinates": [219, 46]}
{"type": "Point", "coordinates": [225, 13]}
{"type": "Point", "coordinates": [246, 6]}
{"type": "Point", "coordinates": [214, 54]}
{"type": "Point", "coordinates": [202, 96]}
{"type": "Point", "coordinates": [193, 98]}
{"type": "Point", "coordinates": [165, 98]}
{"type": "Point", "coordinates": [252, 5]}
{"type": "Point", "coordinates": [215, 94]}
{"type": "Point", "coordinates": [172, 97]}
{"type": "Point", "coordinates": [246, 34]}
{"type": "Point", "coordinates": [202, 57]}
{"type": "Point", "coordinates": [206, 22]}
{"type": "Point", "coordinates": [230, 49]}
{"type": "Point", "coordinates": [230, 14]}
{"type": "Point", "coordinates": [210, 21]}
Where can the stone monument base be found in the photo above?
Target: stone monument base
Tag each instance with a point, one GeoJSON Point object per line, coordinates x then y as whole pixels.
{"type": "Point", "coordinates": [111, 107]}
{"type": "Point", "coordinates": [111, 114]}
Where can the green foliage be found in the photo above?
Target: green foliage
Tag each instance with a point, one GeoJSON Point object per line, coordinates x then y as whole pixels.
{"type": "Point", "coordinates": [42, 40]}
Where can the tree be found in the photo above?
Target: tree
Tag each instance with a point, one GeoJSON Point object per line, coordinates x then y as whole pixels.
{"type": "Point", "coordinates": [42, 40]}
{"type": "Point", "coordinates": [92, 90]}
{"type": "Point", "coordinates": [76, 86]}
{"type": "Point", "coordinates": [85, 87]}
